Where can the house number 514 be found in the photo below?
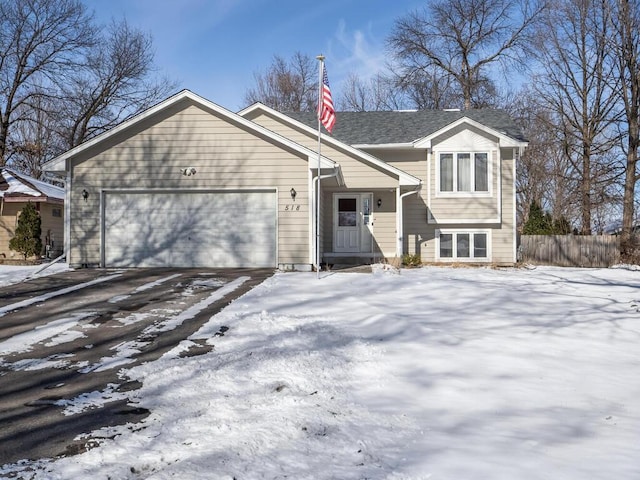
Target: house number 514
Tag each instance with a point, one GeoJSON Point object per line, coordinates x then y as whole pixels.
{"type": "Point", "coordinates": [292, 208]}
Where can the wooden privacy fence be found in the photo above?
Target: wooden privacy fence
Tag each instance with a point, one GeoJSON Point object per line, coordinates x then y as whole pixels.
{"type": "Point", "coordinates": [570, 250]}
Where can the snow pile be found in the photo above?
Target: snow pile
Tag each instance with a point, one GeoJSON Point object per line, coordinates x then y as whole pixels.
{"type": "Point", "coordinates": [426, 373]}
{"type": "Point", "coordinates": [10, 274]}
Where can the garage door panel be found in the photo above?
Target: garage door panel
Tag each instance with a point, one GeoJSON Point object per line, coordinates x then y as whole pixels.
{"type": "Point", "coordinates": [213, 229]}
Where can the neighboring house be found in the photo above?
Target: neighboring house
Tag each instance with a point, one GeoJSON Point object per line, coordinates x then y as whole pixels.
{"type": "Point", "coordinates": [189, 183]}
{"type": "Point", "coordinates": [16, 190]}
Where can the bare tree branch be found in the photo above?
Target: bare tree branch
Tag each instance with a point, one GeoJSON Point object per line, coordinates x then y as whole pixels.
{"type": "Point", "coordinates": [461, 38]}
{"type": "Point", "coordinates": [577, 87]}
{"type": "Point", "coordinates": [39, 44]}
{"type": "Point", "coordinates": [286, 85]}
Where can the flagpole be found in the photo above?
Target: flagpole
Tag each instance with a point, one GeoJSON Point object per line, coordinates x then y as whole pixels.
{"type": "Point", "coordinates": [321, 65]}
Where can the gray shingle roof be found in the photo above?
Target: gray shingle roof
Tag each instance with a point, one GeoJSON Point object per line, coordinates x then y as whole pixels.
{"type": "Point", "coordinates": [376, 128]}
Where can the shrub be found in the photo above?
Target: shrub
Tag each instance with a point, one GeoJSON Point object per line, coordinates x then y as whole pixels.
{"type": "Point", "coordinates": [411, 260]}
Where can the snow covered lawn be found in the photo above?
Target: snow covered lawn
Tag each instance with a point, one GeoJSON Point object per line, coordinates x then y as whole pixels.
{"type": "Point", "coordinates": [433, 373]}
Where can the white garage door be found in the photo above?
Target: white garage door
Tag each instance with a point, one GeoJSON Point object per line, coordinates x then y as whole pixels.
{"type": "Point", "coordinates": [190, 229]}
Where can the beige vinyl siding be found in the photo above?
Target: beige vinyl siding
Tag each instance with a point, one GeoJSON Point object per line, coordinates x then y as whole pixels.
{"type": "Point", "coordinates": [357, 174]}
{"type": "Point", "coordinates": [384, 223]}
{"type": "Point", "coordinates": [151, 153]}
{"type": "Point", "coordinates": [503, 241]}
{"type": "Point", "coordinates": [414, 162]}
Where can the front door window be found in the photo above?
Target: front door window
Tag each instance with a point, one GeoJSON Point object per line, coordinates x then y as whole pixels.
{"type": "Point", "coordinates": [347, 212]}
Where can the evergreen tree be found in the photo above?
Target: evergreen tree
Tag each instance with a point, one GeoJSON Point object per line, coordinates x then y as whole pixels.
{"type": "Point", "coordinates": [27, 239]}
{"type": "Point", "coordinates": [541, 223]}
{"type": "Point", "coordinates": [538, 222]}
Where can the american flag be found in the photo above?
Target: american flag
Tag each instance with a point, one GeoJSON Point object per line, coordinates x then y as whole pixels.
{"type": "Point", "coordinates": [326, 112]}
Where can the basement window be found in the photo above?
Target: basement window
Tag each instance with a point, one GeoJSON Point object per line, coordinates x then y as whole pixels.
{"type": "Point", "coordinates": [469, 245]}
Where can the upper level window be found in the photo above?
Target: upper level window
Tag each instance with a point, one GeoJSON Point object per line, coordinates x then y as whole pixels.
{"type": "Point", "coordinates": [464, 172]}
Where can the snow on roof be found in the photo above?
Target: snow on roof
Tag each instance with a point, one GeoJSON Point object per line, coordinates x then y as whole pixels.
{"type": "Point", "coordinates": [19, 183]}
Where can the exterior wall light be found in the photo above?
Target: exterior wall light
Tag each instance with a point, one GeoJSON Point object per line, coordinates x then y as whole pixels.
{"type": "Point", "coordinates": [379, 202]}
{"type": "Point", "coordinates": [85, 194]}
{"type": "Point", "coordinates": [187, 172]}
{"type": "Point", "coordinates": [293, 194]}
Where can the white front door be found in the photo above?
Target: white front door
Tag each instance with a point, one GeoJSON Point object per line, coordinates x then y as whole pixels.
{"type": "Point", "coordinates": [352, 223]}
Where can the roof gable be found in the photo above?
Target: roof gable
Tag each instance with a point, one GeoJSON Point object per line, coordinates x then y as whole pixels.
{"type": "Point", "coordinates": [403, 177]}
{"type": "Point", "coordinates": [504, 139]}
{"type": "Point", "coordinates": [59, 164]}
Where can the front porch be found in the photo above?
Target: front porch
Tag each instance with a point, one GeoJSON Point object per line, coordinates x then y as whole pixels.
{"type": "Point", "coordinates": [358, 227]}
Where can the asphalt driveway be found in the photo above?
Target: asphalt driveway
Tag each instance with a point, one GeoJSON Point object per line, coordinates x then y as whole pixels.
{"type": "Point", "coordinates": [67, 337]}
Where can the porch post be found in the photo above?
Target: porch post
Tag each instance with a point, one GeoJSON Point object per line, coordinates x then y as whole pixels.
{"type": "Point", "coordinates": [399, 227]}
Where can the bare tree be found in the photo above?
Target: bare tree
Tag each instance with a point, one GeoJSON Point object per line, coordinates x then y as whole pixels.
{"type": "Point", "coordinates": [287, 85]}
{"type": "Point", "coordinates": [461, 39]}
{"type": "Point", "coordinates": [39, 45]}
{"type": "Point", "coordinates": [117, 81]}
{"type": "Point", "coordinates": [379, 93]}
{"type": "Point", "coordinates": [428, 89]}
{"type": "Point", "coordinates": [576, 87]}
{"type": "Point", "coordinates": [419, 91]}
{"type": "Point", "coordinates": [625, 17]}
{"type": "Point", "coordinates": [33, 140]}
{"type": "Point", "coordinates": [544, 175]}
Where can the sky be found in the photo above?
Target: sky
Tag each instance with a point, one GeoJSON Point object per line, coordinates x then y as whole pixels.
{"type": "Point", "coordinates": [214, 47]}
{"type": "Point", "coordinates": [523, 373]}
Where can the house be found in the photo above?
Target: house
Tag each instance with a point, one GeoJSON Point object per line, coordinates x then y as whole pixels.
{"type": "Point", "coordinates": [16, 190]}
{"type": "Point", "coordinates": [189, 183]}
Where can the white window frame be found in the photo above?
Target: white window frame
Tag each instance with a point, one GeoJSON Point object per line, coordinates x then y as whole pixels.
{"type": "Point", "coordinates": [464, 193]}
{"type": "Point", "coordinates": [471, 232]}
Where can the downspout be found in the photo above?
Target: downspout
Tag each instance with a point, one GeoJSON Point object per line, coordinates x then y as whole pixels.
{"type": "Point", "coordinates": [67, 213]}
{"type": "Point", "coordinates": [316, 253]}
{"type": "Point", "coordinates": [399, 219]}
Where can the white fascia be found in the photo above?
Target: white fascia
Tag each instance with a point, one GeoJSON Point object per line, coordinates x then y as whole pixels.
{"type": "Point", "coordinates": [384, 146]}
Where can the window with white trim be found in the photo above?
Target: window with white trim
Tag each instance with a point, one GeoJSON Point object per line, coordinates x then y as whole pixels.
{"type": "Point", "coordinates": [463, 245]}
{"type": "Point", "coordinates": [464, 172]}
